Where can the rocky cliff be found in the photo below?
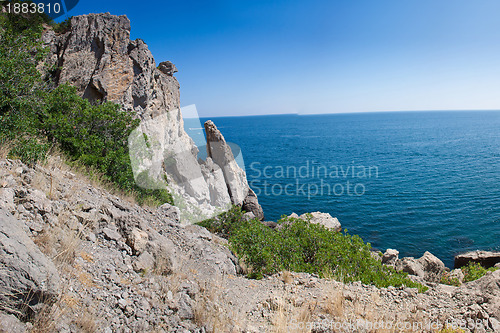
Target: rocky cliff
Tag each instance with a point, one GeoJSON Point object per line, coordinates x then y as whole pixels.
{"type": "Point", "coordinates": [97, 56]}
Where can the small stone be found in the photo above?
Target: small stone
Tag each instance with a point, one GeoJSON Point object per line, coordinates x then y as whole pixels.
{"type": "Point", "coordinates": [185, 310]}
{"type": "Point", "coordinates": [145, 262]}
{"type": "Point", "coordinates": [111, 234]}
{"type": "Point", "coordinates": [122, 303]}
{"type": "Point", "coordinates": [138, 240]}
{"type": "Point", "coordinates": [91, 237]}
{"type": "Point", "coordinates": [494, 324]}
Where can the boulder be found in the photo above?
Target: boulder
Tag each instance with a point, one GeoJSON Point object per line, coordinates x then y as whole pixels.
{"type": "Point", "coordinates": [251, 204]}
{"type": "Point", "coordinates": [487, 259]}
{"type": "Point", "coordinates": [324, 219]}
{"type": "Point", "coordinates": [138, 240]}
{"type": "Point", "coordinates": [167, 67]}
{"type": "Point", "coordinates": [248, 216]}
{"type": "Point", "coordinates": [144, 263]}
{"type": "Point", "coordinates": [270, 224]}
{"type": "Point", "coordinates": [428, 267]}
{"type": "Point", "coordinates": [390, 257]}
{"type": "Point", "coordinates": [7, 199]}
{"type": "Point", "coordinates": [171, 212]}
{"type": "Point", "coordinates": [29, 278]}
{"type": "Point", "coordinates": [411, 266]}
{"type": "Point", "coordinates": [432, 266]}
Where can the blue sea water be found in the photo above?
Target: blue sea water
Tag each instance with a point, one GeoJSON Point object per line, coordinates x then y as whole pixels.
{"type": "Point", "coordinates": [413, 181]}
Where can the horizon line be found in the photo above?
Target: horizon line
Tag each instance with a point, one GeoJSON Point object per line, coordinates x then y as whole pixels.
{"type": "Point", "coordinates": [352, 112]}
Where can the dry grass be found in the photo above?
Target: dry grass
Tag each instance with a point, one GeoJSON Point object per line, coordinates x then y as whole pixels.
{"type": "Point", "coordinates": [335, 301]}
{"type": "Point", "coordinates": [57, 162]}
{"type": "Point", "coordinates": [287, 277]}
{"type": "Point", "coordinates": [281, 319]}
{"type": "Point", "coordinates": [213, 312]}
{"type": "Point", "coordinates": [289, 319]}
{"type": "Point", "coordinates": [5, 149]}
{"type": "Point", "coordinates": [86, 322]}
{"type": "Point", "coordinates": [46, 320]}
{"type": "Point", "coordinates": [60, 243]}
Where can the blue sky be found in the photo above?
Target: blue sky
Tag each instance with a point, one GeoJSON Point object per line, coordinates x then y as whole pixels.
{"type": "Point", "coordinates": [244, 57]}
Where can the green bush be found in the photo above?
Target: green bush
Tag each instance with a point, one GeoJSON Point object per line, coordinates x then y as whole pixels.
{"type": "Point", "coordinates": [34, 117]}
{"type": "Point", "coordinates": [302, 246]}
{"type": "Point", "coordinates": [474, 271]}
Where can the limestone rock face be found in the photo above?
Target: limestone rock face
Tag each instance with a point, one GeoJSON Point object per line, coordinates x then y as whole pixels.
{"type": "Point", "coordinates": [220, 152]}
{"type": "Point", "coordinates": [251, 204]}
{"type": "Point", "coordinates": [485, 258]}
{"type": "Point", "coordinates": [236, 180]}
{"type": "Point", "coordinates": [219, 195]}
{"type": "Point", "coordinates": [97, 57]}
{"type": "Point", "coordinates": [28, 276]}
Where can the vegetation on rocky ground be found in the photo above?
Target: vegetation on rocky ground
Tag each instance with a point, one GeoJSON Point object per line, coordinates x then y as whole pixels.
{"type": "Point", "coordinates": [474, 271]}
{"type": "Point", "coordinates": [449, 280]}
{"type": "Point", "coordinates": [300, 246]}
{"type": "Point", "coordinates": [471, 272]}
{"type": "Point", "coordinates": [36, 116]}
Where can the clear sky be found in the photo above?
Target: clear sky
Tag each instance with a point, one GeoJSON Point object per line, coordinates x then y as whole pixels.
{"type": "Point", "coordinates": [240, 57]}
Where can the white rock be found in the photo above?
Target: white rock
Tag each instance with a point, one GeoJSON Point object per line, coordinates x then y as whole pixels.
{"type": "Point", "coordinates": [390, 257]}
{"type": "Point", "coordinates": [324, 219]}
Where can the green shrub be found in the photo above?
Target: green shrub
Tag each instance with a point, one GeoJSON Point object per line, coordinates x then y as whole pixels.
{"type": "Point", "coordinates": [302, 246]}
{"type": "Point", "coordinates": [96, 135]}
{"type": "Point", "coordinates": [474, 271]}
{"type": "Point", "coordinates": [34, 117]}
{"type": "Point", "coordinates": [29, 150]}
{"type": "Point", "coordinates": [226, 223]}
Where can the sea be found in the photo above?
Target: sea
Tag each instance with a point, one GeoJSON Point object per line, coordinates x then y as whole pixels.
{"type": "Point", "coordinates": [411, 181]}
